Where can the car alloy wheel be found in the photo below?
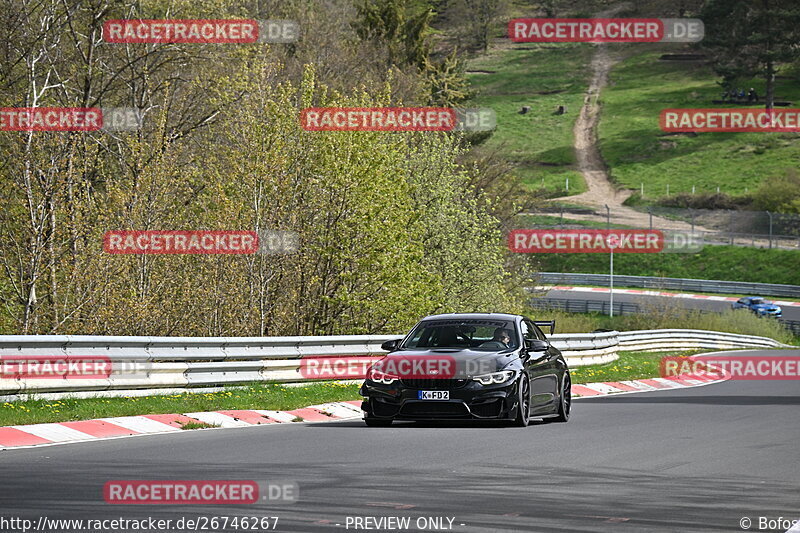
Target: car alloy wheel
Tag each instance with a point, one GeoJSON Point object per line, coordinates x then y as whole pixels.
{"type": "Point", "coordinates": [565, 405]}
{"type": "Point", "coordinates": [523, 403]}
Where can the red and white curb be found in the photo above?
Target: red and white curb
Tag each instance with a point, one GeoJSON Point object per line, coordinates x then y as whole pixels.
{"type": "Point", "coordinates": [643, 385]}
{"type": "Point", "coordinates": [657, 293]}
{"type": "Point", "coordinates": [126, 426]}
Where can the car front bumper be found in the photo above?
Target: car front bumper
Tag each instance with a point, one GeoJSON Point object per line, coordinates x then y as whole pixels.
{"type": "Point", "coordinates": [471, 401]}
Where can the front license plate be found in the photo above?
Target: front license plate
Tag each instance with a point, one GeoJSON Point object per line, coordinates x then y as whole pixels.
{"type": "Point", "coordinates": [433, 395]}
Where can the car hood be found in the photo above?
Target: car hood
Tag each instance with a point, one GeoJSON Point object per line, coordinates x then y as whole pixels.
{"type": "Point", "coordinates": [444, 363]}
{"type": "Point", "coordinates": [767, 307]}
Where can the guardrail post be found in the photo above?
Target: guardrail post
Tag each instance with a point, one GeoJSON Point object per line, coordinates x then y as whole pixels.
{"type": "Point", "coordinates": [608, 217]}
{"type": "Point", "coordinates": [650, 212]}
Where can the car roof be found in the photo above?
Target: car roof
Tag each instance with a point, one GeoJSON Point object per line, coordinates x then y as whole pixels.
{"type": "Point", "coordinates": [473, 316]}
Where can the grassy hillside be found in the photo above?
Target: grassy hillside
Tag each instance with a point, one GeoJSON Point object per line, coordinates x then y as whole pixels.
{"type": "Point", "coordinates": [542, 76]}
{"type": "Point", "coordinates": [713, 262]}
{"type": "Point", "coordinates": [539, 143]}
{"type": "Point", "coordinates": [637, 151]}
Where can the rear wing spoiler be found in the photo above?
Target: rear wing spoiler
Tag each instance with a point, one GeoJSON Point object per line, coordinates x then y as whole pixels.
{"type": "Point", "coordinates": [543, 323]}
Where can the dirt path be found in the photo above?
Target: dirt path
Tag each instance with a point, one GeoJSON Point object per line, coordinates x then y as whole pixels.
{"type": "Point", "coordinates": [587, 152]}
{"type": "Point", "coordinates": [601, 191]}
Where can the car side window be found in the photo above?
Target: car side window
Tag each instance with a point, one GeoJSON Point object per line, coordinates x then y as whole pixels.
{"type": "Point", "coordinates": [529, 330]}
{"type": "Point", "coordinates": [539, 332]}
{"type": "Point", "coordinates": [526, 332]}
{"type": "Point", "coordinates": [742, 300]}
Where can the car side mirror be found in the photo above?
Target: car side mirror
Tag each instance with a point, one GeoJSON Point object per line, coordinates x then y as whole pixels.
{"type": "Point", "coordinates": [536, 345]}
{"type": "Point", "coordinates": [391, 345]}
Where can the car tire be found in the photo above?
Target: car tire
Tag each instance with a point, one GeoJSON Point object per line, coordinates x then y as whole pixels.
{"type": "Point", "coordinates": [523, 403]}
{"type": "Point", "coordinates": [377, 422]}
{"type": "Point", "coordinates": [565, 401]}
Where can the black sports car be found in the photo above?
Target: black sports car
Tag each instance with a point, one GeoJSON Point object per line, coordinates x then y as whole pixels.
{"type": "Point", "coordinates": [469, 366]}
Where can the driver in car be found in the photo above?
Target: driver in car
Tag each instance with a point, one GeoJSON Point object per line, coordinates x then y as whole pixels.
{"type": "Point", "coordinates": [500, 340]}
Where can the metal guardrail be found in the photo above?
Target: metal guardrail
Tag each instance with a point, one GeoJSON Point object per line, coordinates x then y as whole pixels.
{"type": "Point", "coordinates": [180, 362]}
{"type": "Point", "coordinates": [586, 306]}
{"type": "Point", "coordinates": [184, 363]}
{"type": "Point", "coordinates": [690, 285]}
{"type": "Point", "coordinates": [623, 308]}
{"type": "Point", "coordinates": [674, 339]}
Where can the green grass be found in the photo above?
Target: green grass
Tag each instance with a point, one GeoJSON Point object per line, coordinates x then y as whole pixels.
{"type": "Point", "coordinates": [542, 76]}
{"type": "Point", "coordinates": [638, 152]}
{"type": "Point", "coordinates": [256, 396]}
{"type": "Point", "coordinates": [731, 263]}
{"type": "Point", "coordinates": [630, 365]}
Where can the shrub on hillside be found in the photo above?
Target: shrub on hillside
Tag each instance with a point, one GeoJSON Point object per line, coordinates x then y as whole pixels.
{"type": "Point", "coordinates": [780, 193]}
{"type": "Point", "coordinates": [706, 201]}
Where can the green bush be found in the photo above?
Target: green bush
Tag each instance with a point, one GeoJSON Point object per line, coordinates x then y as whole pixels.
{"type": "Point", "coordinates": [779, 193]}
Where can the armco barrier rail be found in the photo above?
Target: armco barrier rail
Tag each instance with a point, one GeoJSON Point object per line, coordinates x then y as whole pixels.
{"type": "Point", "coordinates": [571, 305]}
{"type": "Point", "coordinates": [689, 285]}
{"type": "Point", "coordinates": [678, 339]}
{"type": "Point", "coordinates": [183, 363]}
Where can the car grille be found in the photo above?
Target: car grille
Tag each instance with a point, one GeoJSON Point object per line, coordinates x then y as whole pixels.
{"type": "Point", "coordinates": [434, 409]}
{"type": "Point", "coordinates": [434, 384]}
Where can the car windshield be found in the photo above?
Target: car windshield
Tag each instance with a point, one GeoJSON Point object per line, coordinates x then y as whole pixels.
{"type": "Point", "coordinates": [474, 334]}
{"type": "Point", "coordinates": [759, 301]}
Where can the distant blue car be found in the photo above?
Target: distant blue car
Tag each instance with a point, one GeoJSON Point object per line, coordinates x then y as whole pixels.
{"type": "Point", "coordinates": [759, 306]}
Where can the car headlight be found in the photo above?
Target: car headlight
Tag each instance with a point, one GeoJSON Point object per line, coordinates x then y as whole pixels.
{"type": "Point", "coordinates": [381, 377]}
{"type": "Point", "coordinates": [494, 377]}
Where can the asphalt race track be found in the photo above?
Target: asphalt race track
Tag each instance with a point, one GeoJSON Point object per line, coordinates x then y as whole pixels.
{"type": "Point", "coordinates": [789, 312]}
{"type": "Point", "coordinates": [695, 459]}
